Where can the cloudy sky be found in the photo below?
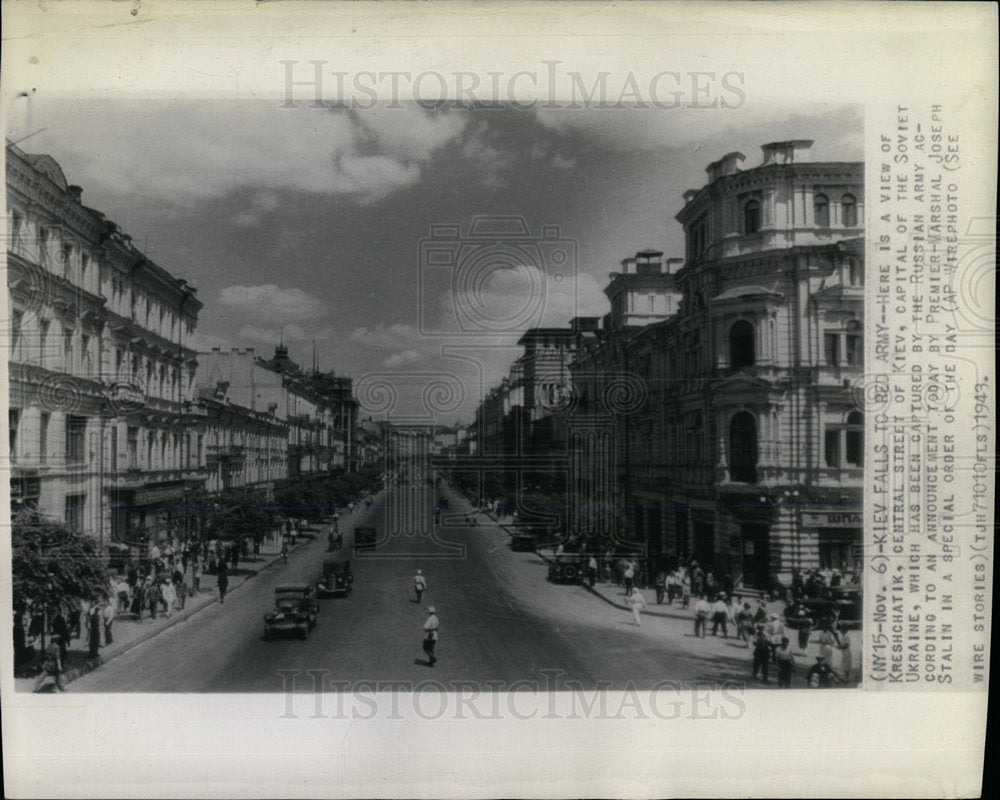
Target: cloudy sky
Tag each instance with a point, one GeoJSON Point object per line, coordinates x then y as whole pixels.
{"type": "Point", "coordinates": [315, 222]}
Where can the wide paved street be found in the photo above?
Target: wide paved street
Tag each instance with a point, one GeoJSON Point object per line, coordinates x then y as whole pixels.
{"type": "Point", "coordinates": [501, 621]}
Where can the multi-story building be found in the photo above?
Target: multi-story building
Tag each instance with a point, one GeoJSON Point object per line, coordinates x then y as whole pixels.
{"type": "Point", "coordinates": [101, 415]}
{"type": "Point", "coordinates": [755, 465]}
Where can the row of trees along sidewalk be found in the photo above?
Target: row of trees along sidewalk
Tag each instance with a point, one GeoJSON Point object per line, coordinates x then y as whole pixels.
{"type": "Point", "coordinates": [54, 567]}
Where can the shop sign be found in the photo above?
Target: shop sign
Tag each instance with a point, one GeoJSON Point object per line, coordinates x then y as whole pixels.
{"type": "Point", "coordinates": [831, 519]}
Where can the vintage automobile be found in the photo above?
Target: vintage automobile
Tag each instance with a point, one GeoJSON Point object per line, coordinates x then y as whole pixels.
{"type": "Point", "coordinates": [522, 539]}
{"type": "Point", "coordinates": [365, 537]}
{"type": "Point", "coordinates": [337, 577]}
{"type": "Point", "coordinates": [568, 568]}
{"type": "Point", "coordinates": [295, 609]}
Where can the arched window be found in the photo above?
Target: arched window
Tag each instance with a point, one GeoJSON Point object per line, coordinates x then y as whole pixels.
{"type": "Point", "coordinates": [848, 211]}
{"type": "Point", "coordinates": [854, 449]}
{"type": "Point", "coordinates": [743, 448]}
{"type": "Point", "coordinates": [854, 350]}
{"type": "Point", "coordinates": [741, 345]}
{"type": "Point", "coordinates": [751, 217]}
{"type": "Point", "coordinates": [821, 211]}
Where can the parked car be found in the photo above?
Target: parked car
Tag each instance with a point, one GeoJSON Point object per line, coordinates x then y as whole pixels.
{"type": "Point", "coordinates": [365, 538]}
{"type": "Point", "coordinates": [295, 609]}
{"type": "Point", "coordinates": [337, 577]}
{"type": "Point", "coordinates": [522, 539]}
{"type": "Point", "coordinates": [568, 568]}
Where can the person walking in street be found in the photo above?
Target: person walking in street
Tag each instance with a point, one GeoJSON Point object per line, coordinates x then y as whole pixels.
{"type": "Point", "coordinates": [223, 581]}
{"type": "Point", "coordinates": [284, 550]}
{"type": "Point", "coordinates": [720, 616]}
{"type": "Point", "coordinates": [744, 624]}
{"type": "Point", "coordinates": [592, 571]}
{"type": "Point", "coordinates": [638, 604]}
{"type": "Point", "coordinates": [701, 612]}
{"type": "Point", "coordinates": [419, 585]}
{"type": "Point", "coordinates": [431, 635]}
{"type": "Point", "coordinates": [52, 666]}
{"type": "Point", "coordinates": [761, 654]}
{"type": "Point", "coordinates": [786, 663]}
{"type": "Point", "coordinates": [196, 575]}
{"type": "Point", "coordinates": [820, 674]}
{"type": "Point", "coordinates": [685, 591]}
{"type": "Point", "coordinates": [661, 586]}
{"type": "Point", "coordinates": [109, 612]}
{"type": "Point", "coordinates": [827, 641]}
{"type": "Point", "coordinates": [182, 591]}
{"type": "Point", "coordinates": [95, 624]}
{"type": "Point", "coordinates": [169, 592]}
{"type": "Point", "coordinates": [775, 631]}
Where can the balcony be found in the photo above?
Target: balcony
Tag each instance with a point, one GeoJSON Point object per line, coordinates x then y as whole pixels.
{"type": "Point", "coordinates": [230, 453]}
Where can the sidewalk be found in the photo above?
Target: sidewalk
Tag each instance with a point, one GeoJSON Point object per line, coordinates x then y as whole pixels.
{"type": "Point", "coordinates": [128, 632]}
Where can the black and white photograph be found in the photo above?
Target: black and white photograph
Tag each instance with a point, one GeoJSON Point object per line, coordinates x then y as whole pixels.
{"type": "Point", "coordinates": [478, 393]}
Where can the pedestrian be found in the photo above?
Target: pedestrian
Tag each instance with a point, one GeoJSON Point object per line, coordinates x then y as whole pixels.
{"type": "Point", "coordinates": [169, 595]}
{"type": "Point", "coordinates": [152, 595]}
{"type": "Point", "coordinates": [629, 576]}
{"type": "Point", "coordinates": [109, 613]}
{"type": "Point", "coordinates": [786, 663]}
{"type": "Point", "coordinates": [805, 627]}
{"type": "Point", "coordinates": [223, 581]}
{"type": "Point", "coordinates": [846, 654]}
{"type": "Point", "coordinates": [419, 585]}
{"type": "Point", "coordinates": [234, 552]}
{"type": "Point", "coordinates": [661, 586]}
{"type": "Point", "coordinates": [592, 571]}
{"type": "Point", "coordinates": [820, 675]}
{"type": "Point", "coordinates": [638, 604]}
{"type": "Point", "coordinates": [744, 624]}
{"type": "Point", "coordinates": [123, 590]}
{"type": "Point", "coordinates": [701, 612]}
{"type": "Point", "coordinates": [196, 575]}
{"type": "Point", "coordinates": [685, 591]}
{"type": "Point", "coordinates": [52, 665]}
{"type": "Point", "coordinates": [284, 550]}
{"type": "Point", "coordinates": [761, 654]}
{"type": "Point", "coordinates": [775, 631]}
{"type": "Point", "coordinates": [94, 625]}
{"type": "Point", "coordinates": [720, 616]}
{"type": "Point", "coordinates": [827, 641]}
{"type": "Point", "coordinates": [182, 591]}
{"type": "Point", "coordinates": [431, 635]}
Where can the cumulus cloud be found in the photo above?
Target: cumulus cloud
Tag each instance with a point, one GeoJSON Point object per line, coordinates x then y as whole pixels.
{"type": "Point", "coordinates": [290, 334]}
{"type": "Point", "coordinates": [387, 337]}
{"type": "Point", "coordinates": [491, 162]}
{"type": "Point", "coordinates": [401, 358]}
{"type": "Point", "coordinates": [271, 303]}
{"type": "Point", "coordinates": [183, 152]}
{"type": "Point", "coordinates": [259, 204]}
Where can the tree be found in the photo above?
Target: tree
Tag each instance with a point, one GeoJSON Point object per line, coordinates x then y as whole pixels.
{"type": "Point", "coordinates": [53, 566]}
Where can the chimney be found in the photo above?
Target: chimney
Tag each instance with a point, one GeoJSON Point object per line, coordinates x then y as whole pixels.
{"type": "Point", "coordinates": [626, 263]}
{"type": "Point", "coordinates": [76, 192]}
{"type": "Point", "coordinates": [726, 165]}
{"type": "Point", "coordinates": [786, 152]}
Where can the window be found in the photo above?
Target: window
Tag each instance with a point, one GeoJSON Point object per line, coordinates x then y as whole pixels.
{"type": "Point", "coordinates": [75, 504]}
{"type": "Point", "coordinates": [76, 428]}
{"type": "Point", "coordinates": [855, 344]}
{"type": "Point", "coordinates": [16, 223]}
{"type": "Point", "coordinates": [821, 211]}
{"type": "Point", "coordinates": [15, 334]}
{"type": "Point", "coordinates": [831, 447]}
{"type": "Point", "coordinates": [68, 351]}
{"type": "Point", "coordinates": [66, 260]}
{"type": "Point", "coordinates": [751, 217]}
{"type": "Point", "coordinates": [743, 448]}
{"type": "Point", "coordinates": [856, 275]}
{"type": "Point", "coordinates": [13, 423]}
{"type": "Point", "coordinates": [132, 445]}
{"type": "Point", "coordinates": [43, 340]}
{"type": "Point", "coordinates": [43, 246]}
{"type": "Point", "coordinates": [84, 263]}
{"type": "Point", "coordinates": [855, 436]}
{"type": "Point", "coordinates": [741, 345]}
{"type": "Point", "coordinates": [43, 438]}
{"type": "Point", "coordinates": [831, 347]}
{"type": "Point", "coordinates": [85, 352]}
{"type": "Point", "coordinates": [848, 211]}
{"type": "Point", "coordinates": [149, 450]}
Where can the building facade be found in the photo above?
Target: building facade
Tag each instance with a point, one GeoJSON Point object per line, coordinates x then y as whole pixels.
{"type": "Point", "coordinates": [101, 404]}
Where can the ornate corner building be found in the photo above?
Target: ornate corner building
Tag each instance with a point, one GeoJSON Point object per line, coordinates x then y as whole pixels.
{"type": "Point", "coordinates": [750, 446]}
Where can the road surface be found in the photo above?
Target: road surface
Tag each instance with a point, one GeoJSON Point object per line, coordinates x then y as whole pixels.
{"type": "Point", "coordinates": [501, 621]}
